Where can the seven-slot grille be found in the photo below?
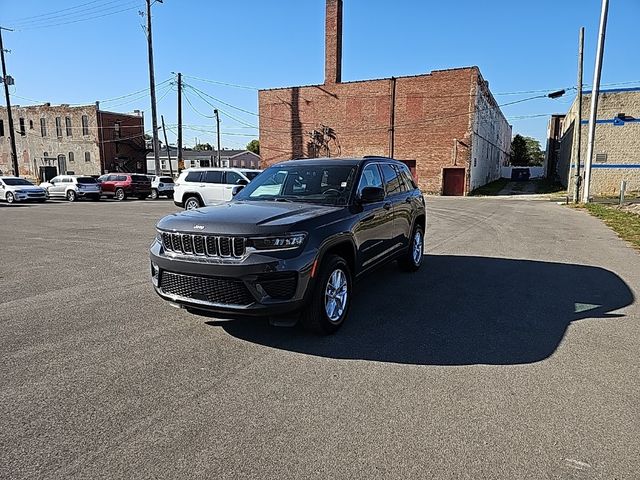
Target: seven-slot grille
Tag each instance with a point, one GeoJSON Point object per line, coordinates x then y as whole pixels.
{"type": "Point", "coordinates": [204, 245]}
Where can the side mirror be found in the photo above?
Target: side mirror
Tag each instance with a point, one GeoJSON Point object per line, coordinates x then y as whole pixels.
{"type": "Point", "coordinates": [242, 181]}
{"type": "Point", "coordinates": [372, 195]}
{"type": "Point", "coordinates": [52, 182]}
{"type": "Point", "coordinates": [236, 189]}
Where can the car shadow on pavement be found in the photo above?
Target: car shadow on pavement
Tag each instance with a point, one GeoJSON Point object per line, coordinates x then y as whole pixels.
{"type": "Point", "coordinates": [458, 310]}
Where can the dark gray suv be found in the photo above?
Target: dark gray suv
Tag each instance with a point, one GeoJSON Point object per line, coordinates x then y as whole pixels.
{"type": "Point", "coordinates": [292, 242]}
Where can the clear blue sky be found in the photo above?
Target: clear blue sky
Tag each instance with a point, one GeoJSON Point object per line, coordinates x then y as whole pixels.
{"type": "Point", "coordinates": [518, 46]}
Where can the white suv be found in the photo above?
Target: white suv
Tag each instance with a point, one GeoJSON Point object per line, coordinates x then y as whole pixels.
{"type": "Point", "coordinates": [161, 186]}
{"type": "Point", "coordinates": [198, 187]}
{"type": "Point", "coordinates": [73, 187]}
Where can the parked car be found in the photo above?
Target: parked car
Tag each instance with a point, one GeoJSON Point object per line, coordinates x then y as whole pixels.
{"type": "Point", "coordinates": [123, 185]}
{"type": "Point", "coordinates": [292, 242]}
{"type": "Point", "coordinates": [198, 187]}
{"type": "Point", "coordinates": [161, 187]}
{"type": "Point", "coordinates": [72, 187]}
{"type": "Point", "coordinates": [16, 189]}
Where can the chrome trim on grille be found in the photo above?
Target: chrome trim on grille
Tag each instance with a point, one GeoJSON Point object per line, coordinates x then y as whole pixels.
{"type": "Point", "coordinates": [215, 246]}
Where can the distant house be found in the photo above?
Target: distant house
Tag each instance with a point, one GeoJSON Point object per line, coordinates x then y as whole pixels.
{"type": "Point", "coordinates": [204, 158]}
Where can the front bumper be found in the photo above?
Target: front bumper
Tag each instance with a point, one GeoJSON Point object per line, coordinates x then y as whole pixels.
{"type": "Point", "coordinates": [30, 196]}
{"type": "Point", "coordinates": [258, 285]}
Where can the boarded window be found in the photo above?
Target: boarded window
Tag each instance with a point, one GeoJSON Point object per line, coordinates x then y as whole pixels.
{"type": "Point", "coordinates": [58, 127]}
{"type": "Point", "coordinates": [23, 132]}
{"type": "Point", "coordinates": [85, 125]}
{"type": "Point", "coordinates": [43, 126]}
{"type": "Point", "coordinates": [69, 127]}
{"type": "Point", "coordinates": [1, 128]}
{"type": "Point", "coordinates": [601, 158]}
{"type": "Point", "coordinates": [87, 156]}
{"type": "Point", "coordinates": [71, 159]}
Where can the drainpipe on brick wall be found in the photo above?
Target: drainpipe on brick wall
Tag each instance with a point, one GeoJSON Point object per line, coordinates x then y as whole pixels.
{"type": "Point", "coordinates": [392, 115]}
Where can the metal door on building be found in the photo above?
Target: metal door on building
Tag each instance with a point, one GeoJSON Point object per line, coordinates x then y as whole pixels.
{"type": "Point", "coordinates": [453, 181]}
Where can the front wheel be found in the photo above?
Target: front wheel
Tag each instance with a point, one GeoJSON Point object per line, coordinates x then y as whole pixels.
{"type": "Point", "coordinates": [412, 260]}
{"type": "Point", "coordinates": [331, 297]}
{"type": "Point", "coordinates": [10, 197]}
{"type": "Point", "coordinates": [154, 194]}
{"type": "Point", "coordinates": [71, 196]}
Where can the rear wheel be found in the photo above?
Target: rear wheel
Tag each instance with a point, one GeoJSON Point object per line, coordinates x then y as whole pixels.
{"type": "Point", "coordinates": [71, 195]}
{"type": "Point", "coordinates": [10, 197]}
{"type": "Point", "coordinates": [331, 297]}
{"type": "Point", "coordinates": [154, 194]}
{"type": "Point", "coordinates": [192, 203]}
{"type": "Point", "coordinates": [119, 194]}
{"type": "Point", "coordinates": [412, 260]}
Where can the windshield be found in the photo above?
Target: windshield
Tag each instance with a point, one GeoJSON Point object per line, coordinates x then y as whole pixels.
{"type": "Point", "coordinates": [86, 180]}
{"type": "Point", "coordinates": [323, 184]}
{"type": "Point", "coordinates": [166, 179]}
{"type": "Point", "coordinates": [16, 181]}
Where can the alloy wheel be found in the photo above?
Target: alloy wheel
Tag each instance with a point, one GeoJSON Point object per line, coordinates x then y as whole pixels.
{"type": "Point", "coordinates": [336, 295]}
{"type": "Point", "coordinates": [418, 247]}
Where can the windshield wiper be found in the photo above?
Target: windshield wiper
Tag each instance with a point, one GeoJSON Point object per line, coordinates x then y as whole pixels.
{"type": "Point", "coordinates": [282, 199]}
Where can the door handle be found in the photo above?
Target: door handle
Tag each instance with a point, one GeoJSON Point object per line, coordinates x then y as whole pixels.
{"type": "Point", "coordinates": [387, 206]}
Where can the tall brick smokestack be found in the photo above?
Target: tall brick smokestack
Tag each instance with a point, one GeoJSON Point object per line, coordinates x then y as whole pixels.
{"type": "Point", "coordinates": [333, 42]}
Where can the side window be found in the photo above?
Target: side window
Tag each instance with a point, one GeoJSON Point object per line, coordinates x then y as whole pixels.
{"type": "Point", "coordinates": [232, 178]}
{"type": "Point", "coordinates": [66, 180]}
{"type": "Point", "coordinates": [213, 176]}
{"type": "Point", "coordinates": [391, 179]}
{"type": "Point", "coordinates": [407, 177]}
{"type": "Point", "coordinates": [111, 178]}
{"type": "Point", "coordinates": [370, 178]}
{"type": "Point", "coordinates": [193, 177]}
{"type": "Point", "coordinates": [54, 180]}
{"type": "Point", "coordinates": [121, 178]}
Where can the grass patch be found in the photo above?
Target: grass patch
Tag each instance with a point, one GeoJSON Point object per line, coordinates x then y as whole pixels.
{"type": "Point", "coordinates": [491, 188]}
{"type": "Point", "coordinates": [547, 185]}
{"type": "Point", "coordinates": [625, 224]}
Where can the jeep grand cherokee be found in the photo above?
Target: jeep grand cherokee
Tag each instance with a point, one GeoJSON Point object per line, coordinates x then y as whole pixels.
{"type": "Point", "coordinates": [292, 241]}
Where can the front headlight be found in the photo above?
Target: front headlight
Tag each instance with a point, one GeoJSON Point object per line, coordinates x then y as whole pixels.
{"type": "Point", "coordinates": [278, 242]}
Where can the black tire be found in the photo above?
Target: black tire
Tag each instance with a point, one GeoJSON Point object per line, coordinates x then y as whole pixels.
{"type": "Point", "coordinates": [10, 198]}
{"type": "Point", "coordinates": [154, 194]}
{"type": "Point", "coordinates": [119, 194]}
{"type": "Point", "coordinates": [191, 203]}
{"type": "Point", "coordinates": [315, 317]}
{"type": "Point", "coordinates": [71, 195]}
{"type": "Point", "coordinates": [42, 200]}
{"type": "Point", "coordinates": [95, 198]}
{"type": "Point", "coordinates": [411, 261]}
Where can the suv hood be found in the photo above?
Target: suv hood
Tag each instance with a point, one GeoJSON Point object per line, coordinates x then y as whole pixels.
{"type": "Point", "coordinates": [244, 218]}
{"type": "Point", "coordinates": [29, 188]}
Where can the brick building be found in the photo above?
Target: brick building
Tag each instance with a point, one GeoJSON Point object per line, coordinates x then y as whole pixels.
{"type": "Point", "coordinates": [616, 155]}
{"type": "Point", "coordinates": [52, 139]}
{"type": "Point", "coordinates": [445, 124]}
{"type": "Point", "coordinates": [552, 152]}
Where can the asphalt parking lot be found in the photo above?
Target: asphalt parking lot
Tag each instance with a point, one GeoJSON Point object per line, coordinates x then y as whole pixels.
{"type": "Point", "coordinates": [513, 353]}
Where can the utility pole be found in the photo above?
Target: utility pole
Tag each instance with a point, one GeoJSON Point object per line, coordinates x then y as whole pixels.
{"type": "Point", "coordinates": [215, 112]}
{"type": "Point", "coordinates": [578, 128]}
{"type": "Point", "coordinates": [152, 86]}
{"type": "Point", "coordinates": [166, 142]}
{"type": "Point", "coordinates": [594, 100]}
{"type": "Point", "coordinates": [179, 120]}
{"type": "Point", "coordinates": [12, 132]}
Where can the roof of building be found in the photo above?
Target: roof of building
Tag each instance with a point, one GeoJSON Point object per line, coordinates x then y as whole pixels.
{"type": "Point", "coordinates": [187, 154]}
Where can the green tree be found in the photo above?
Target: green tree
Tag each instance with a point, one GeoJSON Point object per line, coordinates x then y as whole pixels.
{"type": "Point", "coordinates": [519, 152]}
{"type": "Point", "coordinates": [254, 146]}
{"type": "Point", "coordinates": [200, 147]}
{"type": "Point", "coordinates": [534, 152]}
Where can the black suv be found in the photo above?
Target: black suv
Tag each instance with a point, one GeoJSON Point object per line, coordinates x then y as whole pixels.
{"type": "Point", "coordinates": [291, 243]}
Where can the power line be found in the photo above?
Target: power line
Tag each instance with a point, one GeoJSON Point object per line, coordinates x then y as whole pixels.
{"type": "Point", "coordinates": [74, 15]}
{"type": "Point", "coordinates": [75, 21]}
{"type": "Point", "coordinates": [217, 82]}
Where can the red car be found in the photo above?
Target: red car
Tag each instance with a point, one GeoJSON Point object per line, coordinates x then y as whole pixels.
{"type": "Point", "coordinates": [123, 185]}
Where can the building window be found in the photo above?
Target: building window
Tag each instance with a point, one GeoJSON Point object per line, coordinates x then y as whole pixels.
{"type": "Point", "coordinates": [85, 125]}
{"type": "Point", "coordinates": [30, 124]}
{"type": "Point", "coordinates": [116, 130]}
{"type": "Point", "coordinates": [23, 132]}
{"type": "Point", "coordinates": [43, 126]}
{"type": "Point", "coordinates": [1, 128]}
{"type": "Point", "coordinates": [58, 127]}
{"type": "Point", "coordinates": [87, 156]}
{"type": "Point", "coordinates": [67, 123]}
{"type": "Point", "coordinates": [71, 159]}
{"type": "Point", "coordinates": [601, 158]}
